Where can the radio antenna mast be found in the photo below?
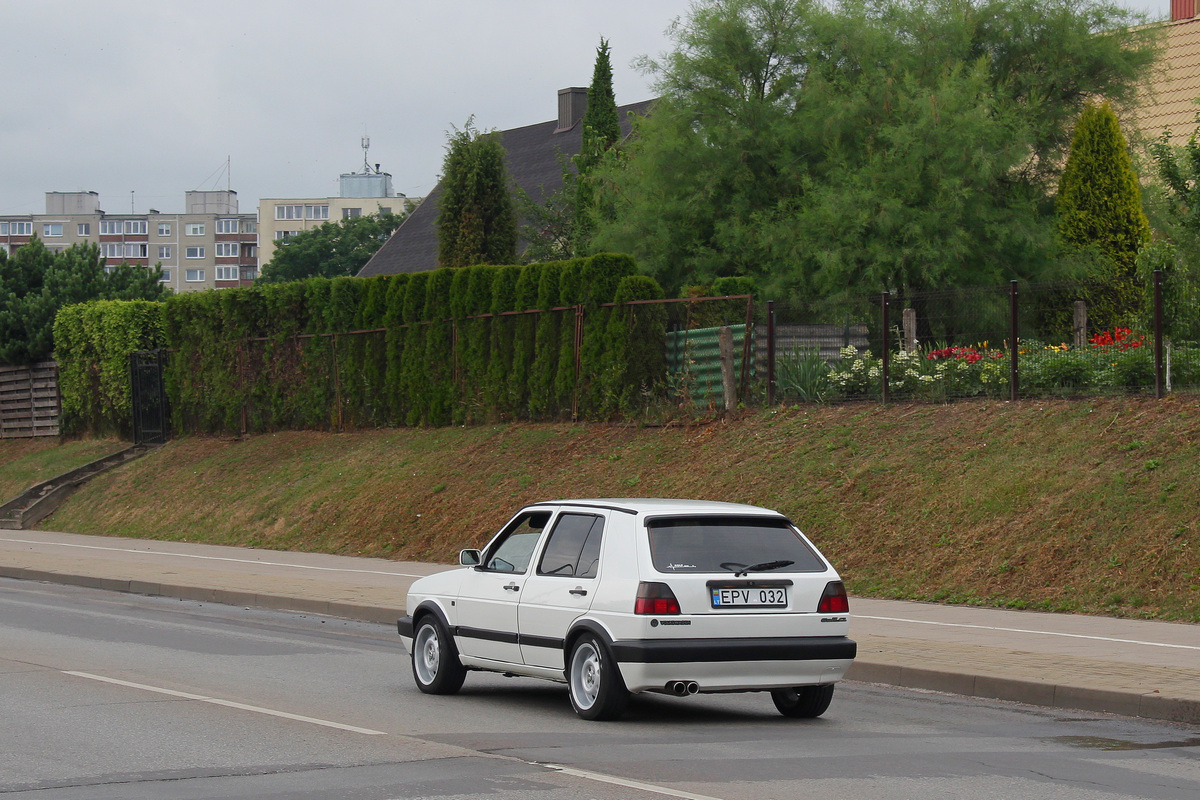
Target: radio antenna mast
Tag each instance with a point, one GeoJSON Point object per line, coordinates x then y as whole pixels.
{"type": "Point", "coordinates": [366, 145]}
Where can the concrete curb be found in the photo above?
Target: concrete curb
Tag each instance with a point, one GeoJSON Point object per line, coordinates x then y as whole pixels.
{"type": "Point", "coordinates": [1150, 705]}
{"type": "Point", "coordinates": [203, 594]}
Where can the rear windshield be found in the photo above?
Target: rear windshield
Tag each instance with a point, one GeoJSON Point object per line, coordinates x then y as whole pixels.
{"type": "Point", "coordinates": [703, 544]}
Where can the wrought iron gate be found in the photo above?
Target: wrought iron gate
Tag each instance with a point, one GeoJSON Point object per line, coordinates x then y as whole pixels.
{"type": "Point", "coordinates": [151, 416]}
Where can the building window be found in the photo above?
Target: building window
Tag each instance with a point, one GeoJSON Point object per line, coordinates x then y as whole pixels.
{"type": "Point", "coordinates": [164, 229]}
{"type": "Point", "coordinates": [250, 226]}
{"type": "Point", "coordinates": [194, 229]}
{"type": "Point", "coordinates": [316, 212]}
{"type": "Point", "coordinates": [83, 229]}
{"type": "Point", "coordinates": [227, 249]}
{"type": "Point", "coordinates": [249, 273]}
{"type": "Point", "coordinates": [164, 251]}
{"type": "Point", "coordinates": [194, 252]}
{"type": "Point", "coordinates": [166, 276]}
{"type": "Point", "coordinates": [111, 227]}
{"type": "Point", "coordinates": [250, 250]}
{"type": "Point", "coordinates": [283, 236]}
{"type": "Point", "coordinates": [52, 229]}
{"type": "Point", "coordinates": [135, 249]}
{"type": "Point", "coordinates": [113, 250]}
{"type": "Point", "coordinates": [289, 212]}
{"type": "Point", "coordinates": [227, 226]}
{"type": "Point", "coordinates": [351, 213]}
{"type": "Point", "coordinates": [194, 275]}
{"type": "Point", "coordinates": [16, 228]}
{"type": "Point", "coordinates": [227, 273]}
{"type": "Point", "coordinates": [135, 226]}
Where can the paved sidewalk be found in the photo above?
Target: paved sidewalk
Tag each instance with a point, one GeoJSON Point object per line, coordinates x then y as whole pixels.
{"type": "Point", "coordinates": [1130, 667]}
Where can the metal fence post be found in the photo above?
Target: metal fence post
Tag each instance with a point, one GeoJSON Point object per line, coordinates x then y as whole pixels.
{"type": "Point", "coordinates": [770, 352]}
{"type": "Point", "coordinates": [884, 301]}
{"type": "Point", "coordinates": [747, 352]}
{"type": "Point", "coordinates": [1013, 387]}
{"type": "Point", "coordinates": [1159, 383]}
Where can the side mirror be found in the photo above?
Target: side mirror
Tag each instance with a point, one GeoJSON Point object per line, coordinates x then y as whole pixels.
{"type": "Point", "coordinates": [469, 558]}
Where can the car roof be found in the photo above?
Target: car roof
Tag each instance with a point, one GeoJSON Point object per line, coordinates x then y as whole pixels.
{"type": "Point", "coordinates": [660, 505]}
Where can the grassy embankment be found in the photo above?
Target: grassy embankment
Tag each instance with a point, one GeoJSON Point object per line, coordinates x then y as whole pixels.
{"type": "Point", "coordinates": [26, 462]}
{"type": "Point", "coordinates": [1089, 506]}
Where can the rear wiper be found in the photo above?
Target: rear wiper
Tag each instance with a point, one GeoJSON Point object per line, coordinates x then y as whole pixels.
{"type": "Point", "coordinates": [741, 570]}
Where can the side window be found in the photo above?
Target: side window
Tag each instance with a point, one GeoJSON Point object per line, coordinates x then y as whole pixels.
{"type": "Point", "coordinates": [573, 550]}
{"type": "Point", "coordinates": [513, 550]}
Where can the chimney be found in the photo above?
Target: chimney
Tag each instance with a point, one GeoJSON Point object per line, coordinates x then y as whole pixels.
{"type": "Point", "coordinates": [1182, 9]}
{"type": "Point", "coordinates": [572, 103]}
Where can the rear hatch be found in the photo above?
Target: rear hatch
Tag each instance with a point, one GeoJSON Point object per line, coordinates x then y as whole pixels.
{"type": "Point", "coordinates": [741, 576]}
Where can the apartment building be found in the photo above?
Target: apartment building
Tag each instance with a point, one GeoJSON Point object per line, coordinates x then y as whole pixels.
{"type": "Point", "coordinates": [359, 194]}
{"type": "Point", "coordinates": [209, 246]}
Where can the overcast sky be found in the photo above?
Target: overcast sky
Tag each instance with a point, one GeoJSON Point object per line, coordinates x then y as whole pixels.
{"type": "Point", "coordinates": [153, 98]}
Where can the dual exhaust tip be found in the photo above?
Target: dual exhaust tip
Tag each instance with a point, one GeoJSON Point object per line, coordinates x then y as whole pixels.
{"type": "Point", "coordinates": [683, 688]}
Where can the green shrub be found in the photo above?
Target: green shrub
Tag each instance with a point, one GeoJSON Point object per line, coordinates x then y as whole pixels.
{"type": "Point", "coordinates": [92, 346]}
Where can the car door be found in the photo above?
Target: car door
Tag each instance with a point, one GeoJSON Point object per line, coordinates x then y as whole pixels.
{"type": "Point", "coordinates": [561, 586]}
{"type": "Point", "coordinates": [490, 593]}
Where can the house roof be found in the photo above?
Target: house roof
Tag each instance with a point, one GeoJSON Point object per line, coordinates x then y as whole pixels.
{"type": "Point", "coordinates": [532, 159]}
{"type": "Point", "coordinates": [1170, 103]}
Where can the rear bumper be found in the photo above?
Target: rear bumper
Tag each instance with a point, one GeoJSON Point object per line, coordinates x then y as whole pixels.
{"type": "Point", "coordinates": [723, 665]}
{"type": "Point", "coordinates": [790, 648]}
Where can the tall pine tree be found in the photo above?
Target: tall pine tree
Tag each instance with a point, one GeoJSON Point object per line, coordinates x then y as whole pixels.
{"type": "Point", "coordinates": [476, 223]}
{"type": "Point", "coordinates": [601, 129]}
{"type": "Point", "coordinates": [1099, 206]}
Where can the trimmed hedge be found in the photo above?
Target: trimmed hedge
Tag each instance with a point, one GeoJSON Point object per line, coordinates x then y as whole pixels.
{"type": "Point", "coordinates": [446, 347]}
{"type": "Point", "coordinates": [92, 346]}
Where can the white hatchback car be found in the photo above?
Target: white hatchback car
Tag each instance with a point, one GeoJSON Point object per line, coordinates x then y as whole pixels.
{"type": "Point", "coordinates": [621, 596]}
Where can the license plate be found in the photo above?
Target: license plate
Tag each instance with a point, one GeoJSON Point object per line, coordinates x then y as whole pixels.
{"type": "Point", "coordinates": [749, 597]}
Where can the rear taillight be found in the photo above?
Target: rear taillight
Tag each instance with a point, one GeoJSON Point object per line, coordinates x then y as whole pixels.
{"type": "Point", "coordinates": [833, 599]}
{"type": "Point", "coordinates": [656, 599]}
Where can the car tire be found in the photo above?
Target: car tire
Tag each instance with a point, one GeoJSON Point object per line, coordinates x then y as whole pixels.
{"type": "Point", "coordinates": [803, 702]}
{"type": "Point", "coordinates": [594, 682]}
{"type": "Point", "coordinates": [435, 665]}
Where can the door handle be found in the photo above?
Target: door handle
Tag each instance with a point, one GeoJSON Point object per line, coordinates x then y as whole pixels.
{"type": "Point", "coordinates": [579, 590]}
{"type": "Point", "coordinates": [512, 587]}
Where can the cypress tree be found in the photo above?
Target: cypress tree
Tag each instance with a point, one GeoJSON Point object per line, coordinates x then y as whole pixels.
{"type": "Point", "coordinates": [601, 129]}
{"type": "Point", "coordinates": [476, 222]}
{"type": "Point", "coordinates": [1099, 206]}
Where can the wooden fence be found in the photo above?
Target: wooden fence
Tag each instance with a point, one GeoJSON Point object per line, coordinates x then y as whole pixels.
{"type": "Point", "coordinates": [29, 400]}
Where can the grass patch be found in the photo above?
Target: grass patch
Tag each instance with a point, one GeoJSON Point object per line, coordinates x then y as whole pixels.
{"type": "Point", "coordinates": [27, 462]}
{"type": "Point", "coordinates": [1036, 504]}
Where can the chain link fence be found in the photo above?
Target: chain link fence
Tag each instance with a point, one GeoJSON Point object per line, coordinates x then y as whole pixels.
{"type": "Point", "coordinates": [717, 352]}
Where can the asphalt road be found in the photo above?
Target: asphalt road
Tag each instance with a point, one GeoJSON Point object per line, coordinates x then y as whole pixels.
{"type": "Point", "coordinates": [120, 696]}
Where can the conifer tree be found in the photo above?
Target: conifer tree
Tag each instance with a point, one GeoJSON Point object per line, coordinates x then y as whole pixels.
{"type": "Point", "coordinates": [601, 129]}
{"type": "Point", "coordinates": [1099, 206]}
{"type": "Point", "coordinates": [476, 223]}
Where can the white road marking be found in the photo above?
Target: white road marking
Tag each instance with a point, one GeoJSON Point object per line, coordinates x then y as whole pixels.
{"type": "Point", "coordinates": [628, 784]}
{"type": "Point", "coordinates": [227, 703]}
{"type": "Point", "coordinates": [1022, 630]}
{"type": "Point", "coordinates": [213, 558]}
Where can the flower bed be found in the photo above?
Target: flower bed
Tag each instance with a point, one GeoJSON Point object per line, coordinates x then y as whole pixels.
{"type": "Point", "coordinates": [1116, 360]}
